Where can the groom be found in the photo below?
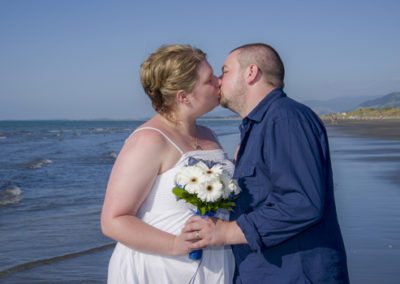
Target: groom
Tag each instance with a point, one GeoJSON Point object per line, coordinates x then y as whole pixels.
{"type": "Point", "coordinates": [285, 228]}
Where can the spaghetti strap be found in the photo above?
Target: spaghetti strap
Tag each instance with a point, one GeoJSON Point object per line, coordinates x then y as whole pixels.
{"type": "Point", "coordinates": [162, 133]}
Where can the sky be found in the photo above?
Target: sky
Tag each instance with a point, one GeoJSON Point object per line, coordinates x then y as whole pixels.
{"type": "Point", "coordinates": [80, 59]}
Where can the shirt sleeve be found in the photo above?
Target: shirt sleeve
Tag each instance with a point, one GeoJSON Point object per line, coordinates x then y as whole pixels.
{"type": "Point", "coordinates": [295, 154]}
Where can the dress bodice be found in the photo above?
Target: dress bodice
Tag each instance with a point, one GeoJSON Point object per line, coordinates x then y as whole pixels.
{"type": "Point", "coordinates": [161, 201]}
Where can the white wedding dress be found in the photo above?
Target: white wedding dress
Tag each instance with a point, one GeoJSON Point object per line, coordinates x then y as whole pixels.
{"type": "Point", "coordinates": [163, 211]}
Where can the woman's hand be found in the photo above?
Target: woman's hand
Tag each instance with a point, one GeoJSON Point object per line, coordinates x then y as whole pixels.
{"type": "Point", "coordinates": [203, 232]}
{"type": "Point", "coordinates": [181, 246]}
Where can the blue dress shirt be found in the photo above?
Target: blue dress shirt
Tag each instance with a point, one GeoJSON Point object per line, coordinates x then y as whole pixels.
{"type": "Point", "coordinates": [286, 209]}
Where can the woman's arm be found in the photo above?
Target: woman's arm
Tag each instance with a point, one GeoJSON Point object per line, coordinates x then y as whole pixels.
{"type": "Point", "coordinates": [130, 182]}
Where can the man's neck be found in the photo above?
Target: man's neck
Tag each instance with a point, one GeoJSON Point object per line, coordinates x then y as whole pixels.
{"type": "Point", "coordinates": [254, 97]}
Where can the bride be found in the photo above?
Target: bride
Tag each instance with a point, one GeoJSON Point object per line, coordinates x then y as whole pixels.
{"type": "Point", "coordinates": [140, 211]}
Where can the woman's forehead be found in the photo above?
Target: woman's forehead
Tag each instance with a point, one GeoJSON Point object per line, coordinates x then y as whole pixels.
{"type": "Point", "coordinates": [205, 69]}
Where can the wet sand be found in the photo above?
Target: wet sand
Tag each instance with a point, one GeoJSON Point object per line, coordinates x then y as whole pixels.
{"type": "Point", "coordinates": [376, 130]}
{"type": "Point", "coordinates": [381, 129]}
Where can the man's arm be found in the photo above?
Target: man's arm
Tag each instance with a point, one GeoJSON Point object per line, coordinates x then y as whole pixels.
{"type": "Point", "coordinates": [296, 173]}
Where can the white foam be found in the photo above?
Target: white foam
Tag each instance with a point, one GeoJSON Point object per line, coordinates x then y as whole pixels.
{"type": "Point", "coordinates": [10, 195]}
{"type": "Point", "coordinates": [39, 163]}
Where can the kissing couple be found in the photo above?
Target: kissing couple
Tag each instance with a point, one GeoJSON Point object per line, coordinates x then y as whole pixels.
{"type": "Point", "coordinates": [283, 228]}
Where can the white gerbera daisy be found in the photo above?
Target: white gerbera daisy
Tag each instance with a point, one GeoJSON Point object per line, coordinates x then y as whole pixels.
{"type": "Point", "coordinates": [225, 179]}
{"type": "Point", "coordinates": [190, 178]}
{"type": "Point", "coordinates": [234, 187]}
{"type": "Point", "coordinates": [212, 172]}
{"type": "Point", "coordinates": [210, 190]}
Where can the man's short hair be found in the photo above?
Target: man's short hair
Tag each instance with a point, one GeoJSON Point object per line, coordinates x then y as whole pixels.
{"type": "Point", "coordinates": [266, 58]}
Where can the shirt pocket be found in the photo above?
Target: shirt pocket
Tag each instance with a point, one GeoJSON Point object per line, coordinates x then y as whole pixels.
{"type": "Point", "coordinates": [248, 171]}
{"type": "Point", "coordinates": [255, 183]}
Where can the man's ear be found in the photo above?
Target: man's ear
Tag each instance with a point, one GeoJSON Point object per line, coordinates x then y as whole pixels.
{"type": "Point", "coordinates": [182, 97]}
{"type": "Point", "coordinates": [253, 73]}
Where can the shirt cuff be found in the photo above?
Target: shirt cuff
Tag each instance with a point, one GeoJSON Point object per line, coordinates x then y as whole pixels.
{"type": "Point", "coordinates": [250, 232]}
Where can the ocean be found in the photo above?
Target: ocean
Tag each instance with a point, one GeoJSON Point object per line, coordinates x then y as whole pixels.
{"type": "Point", "coordinates": [53, 176]}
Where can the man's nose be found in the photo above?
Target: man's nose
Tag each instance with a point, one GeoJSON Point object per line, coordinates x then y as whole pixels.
{"type": "Point", "coordinates": [219, 80]}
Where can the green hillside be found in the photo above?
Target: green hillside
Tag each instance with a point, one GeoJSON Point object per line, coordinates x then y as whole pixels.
{"type": "Point", "coordinates": [365, 113]}
{"type": "Point", "coordinates": [391, 100]}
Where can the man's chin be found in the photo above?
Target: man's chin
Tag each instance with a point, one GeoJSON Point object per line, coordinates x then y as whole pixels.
{"type": "Point", "coordinates": [224, 106]}
{"type": "Point", "coordinates": [223, 103]}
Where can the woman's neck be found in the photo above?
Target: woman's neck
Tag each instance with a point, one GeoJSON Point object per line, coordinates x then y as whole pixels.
{"type": "Point", "coordinates": [187, 127]}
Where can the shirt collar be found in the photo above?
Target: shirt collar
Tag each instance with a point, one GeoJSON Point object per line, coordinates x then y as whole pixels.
{"type": "Point", "coordinates": [261, 109]}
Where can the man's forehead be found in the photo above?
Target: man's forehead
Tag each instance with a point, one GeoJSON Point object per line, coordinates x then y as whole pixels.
{"type": "Point", "coordinates": [230, 60]}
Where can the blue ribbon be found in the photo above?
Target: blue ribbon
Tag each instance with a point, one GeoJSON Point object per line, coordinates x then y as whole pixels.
{"type": "Point", "coordinates": [197, 254]}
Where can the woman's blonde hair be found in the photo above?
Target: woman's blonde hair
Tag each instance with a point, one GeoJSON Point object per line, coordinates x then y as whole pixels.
{"type": "Point", "coordinates": [166, 71]}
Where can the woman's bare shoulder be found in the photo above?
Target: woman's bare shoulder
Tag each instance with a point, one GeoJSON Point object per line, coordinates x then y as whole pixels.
{"type": "Point", "coordinates": [145, 139]}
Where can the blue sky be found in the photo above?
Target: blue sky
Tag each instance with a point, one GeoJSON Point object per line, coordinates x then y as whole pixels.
{"type": "Point", "coordinates": [79, 59]}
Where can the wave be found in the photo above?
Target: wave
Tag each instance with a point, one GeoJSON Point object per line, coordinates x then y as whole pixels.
{"type": "Point", "coordinates": [38, 163]}
{"type": "Point", "coordinates": [51, 260]}
{"type": "Point", "coordinates": [112, 155]}
{"type": "Point", "coordinates": [10, 194]}
{"type": "Point", "coordinates": [108, 157]}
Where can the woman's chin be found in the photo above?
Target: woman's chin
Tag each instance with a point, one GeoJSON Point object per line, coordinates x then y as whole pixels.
{"type": "Point", "coordinates": [209, 109]}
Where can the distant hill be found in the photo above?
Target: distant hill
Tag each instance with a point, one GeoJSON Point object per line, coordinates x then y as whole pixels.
{"type": "Point", "coordinates": [391, 100]}
{"type": "Point", "coordinates": [348, 104]}
{"type": "Point", "coordinates": [341, 104]}
{"type": "Point", "coordinates": [386, 107]}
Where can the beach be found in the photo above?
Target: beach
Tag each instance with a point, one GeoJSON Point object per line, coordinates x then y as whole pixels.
{"type": "Point", "coordinates": [50, 230]}
{"type": "Point", "coordinates": [366, 165]}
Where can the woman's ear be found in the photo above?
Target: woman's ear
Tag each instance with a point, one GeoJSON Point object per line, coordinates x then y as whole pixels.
{"type": "Point", "coordinates": [182, 97]}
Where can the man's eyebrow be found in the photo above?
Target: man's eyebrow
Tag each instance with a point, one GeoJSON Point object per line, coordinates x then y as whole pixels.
{"type": "Point", "coordinates": [223, 68]}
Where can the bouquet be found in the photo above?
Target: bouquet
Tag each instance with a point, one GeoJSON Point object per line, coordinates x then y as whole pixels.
{"type": "Point", "coordinates": [207, 186]}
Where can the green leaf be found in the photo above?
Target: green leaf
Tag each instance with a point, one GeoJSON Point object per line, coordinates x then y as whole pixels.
{"type": "Point", "coordinates": [179, 192]}
{"type": "Point", "coordinates": [202, 207]}
{"type": "Point", "coordinates": [202, 210]}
